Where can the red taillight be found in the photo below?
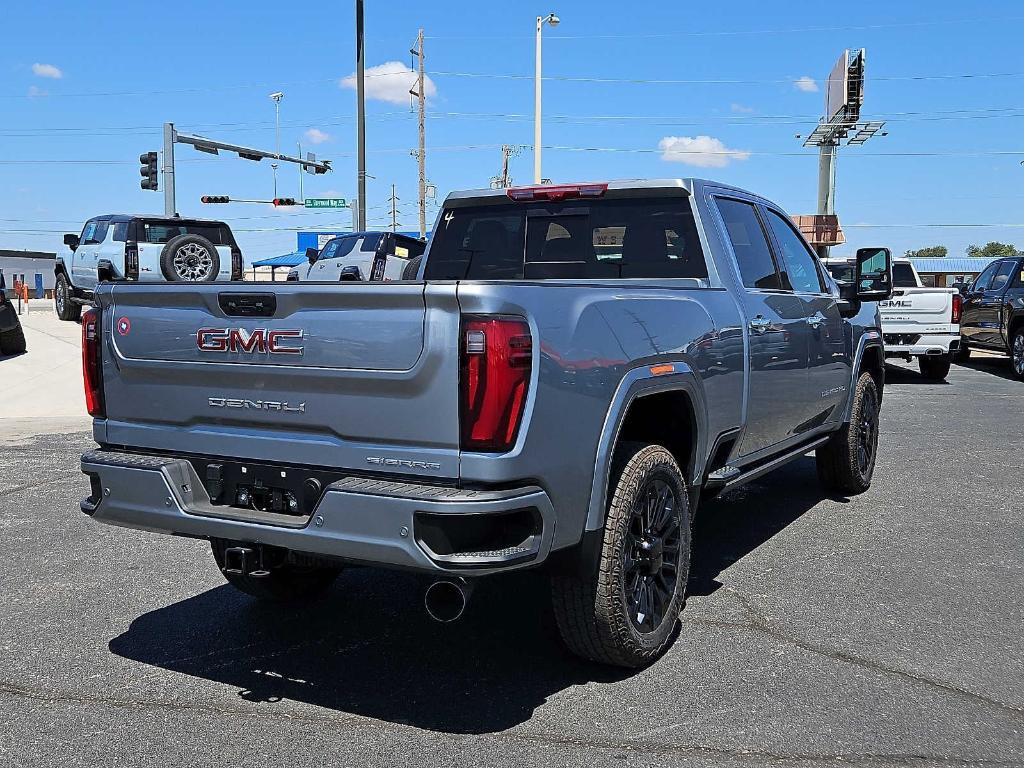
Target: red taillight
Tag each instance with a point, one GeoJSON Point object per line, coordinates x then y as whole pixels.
{"type": "Point", "coordinates": [559, 192]}
{"type": "Point", "coordinates": [497, 356]}
{"type": "Point", "coordinates": [92, 364]}
{"type": "Point", "coordinates": [236, 263]}
{"type": "Point", "coordinates": [958, 305]}
{"type": "Point", "coordinates": [131, 261]}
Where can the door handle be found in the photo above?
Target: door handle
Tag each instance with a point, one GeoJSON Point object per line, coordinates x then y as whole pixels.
{"type": "Point", "coordinates": [760, 324]}
{"type": "Point", "coordinates": [816, 320]}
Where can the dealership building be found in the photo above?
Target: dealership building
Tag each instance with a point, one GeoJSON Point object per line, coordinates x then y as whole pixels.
{"type": "Point", "coordinates": [32, 267]}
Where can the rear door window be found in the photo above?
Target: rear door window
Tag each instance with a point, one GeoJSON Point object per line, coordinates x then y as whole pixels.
{"type": "Point", "coordinates": [591, 239]}
{"type": "Point", "coordinates": [120, 231]}
{"type": "Point", "coordinates": [160, 232]}
{"type": "Point", "coordinates": [749, 243]}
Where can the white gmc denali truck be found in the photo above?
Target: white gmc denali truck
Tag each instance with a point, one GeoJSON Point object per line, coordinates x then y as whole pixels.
{"type": "Point", "coordinates": [917, 321]}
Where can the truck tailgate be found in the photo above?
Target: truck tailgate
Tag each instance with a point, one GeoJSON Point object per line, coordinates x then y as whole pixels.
{"type": "Point", "coordinates": [340, 375]}
{"type": "Point", "coordinates": [928, 308]}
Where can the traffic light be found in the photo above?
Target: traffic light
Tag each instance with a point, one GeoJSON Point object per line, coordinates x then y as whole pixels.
{"type": "Point", "coordinates": [284, 201]}
{"type": "Point", "coordinates": [215, 199]}
{"type": "Point", "coordinates": [149, 170]}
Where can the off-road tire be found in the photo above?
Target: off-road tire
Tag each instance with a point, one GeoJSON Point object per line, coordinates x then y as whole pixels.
{"type": "Point", "coordinates": [194, 245]}
{"type": "Point", "coordinates": [1017, 352]}
{"type": "Point", "coordinates": [285, 583]}
{"type": "Point", "coordinates": [592, 610]}
{"type": "Point", "coordinates": [12, 342]}
{"type": "Point", "coordinates": [66, 308]}
{"type": "Point", "coordinates": [841, 466]}
{"type": "Point", "coordinates": [934, 368]}
{"type": "Point", "coordinates": [412, 268]}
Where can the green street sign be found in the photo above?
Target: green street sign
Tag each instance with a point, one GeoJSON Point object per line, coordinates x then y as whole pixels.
{"type": "Point", "coordinates": [326, 202]}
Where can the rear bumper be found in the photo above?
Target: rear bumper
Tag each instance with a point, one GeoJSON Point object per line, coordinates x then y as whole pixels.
{"type": "Point", "coordinates": [360, 520]}
{"type": "Point", "coordinates": [901, 345]}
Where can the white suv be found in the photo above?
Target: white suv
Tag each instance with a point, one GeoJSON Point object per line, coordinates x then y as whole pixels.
{"type": "Point", "coordinates": [377, 256]}
{"type": "Point", "coordinates": [144, 248]}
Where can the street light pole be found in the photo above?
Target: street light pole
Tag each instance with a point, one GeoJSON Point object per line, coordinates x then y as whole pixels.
{"type": "Point", "coordinates": [360, 121]}
{"type": "Point", "coordinates": [277, 96]}
{"type": "Point", "coordinates": [541, 21]}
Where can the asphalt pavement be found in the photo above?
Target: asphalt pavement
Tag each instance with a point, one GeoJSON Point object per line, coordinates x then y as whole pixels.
{"type": "Point", "coordinates": [883, 629]}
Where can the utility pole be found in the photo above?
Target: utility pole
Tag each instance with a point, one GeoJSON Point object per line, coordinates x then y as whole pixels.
{"type": "Point", "coordinates": [421, 153]}
{"type": "Point", "coordinates": [394, 209]}
{"type": "Point", "coordinates": [170, 136]}
{"type": "Point", "coordinates": [360, 117]}
{"type": "Point", "coordinates": [298, 146]}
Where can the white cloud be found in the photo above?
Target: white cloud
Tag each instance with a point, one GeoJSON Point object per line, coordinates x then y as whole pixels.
{"type": "Point", "coordinates": [316, 136]}
{"type": "Point", "coordinates": [806, 84]}
{"type": "Point", "coordinates": [701, 151]}
{"type": "Point", "coordinates": [36, 93]}
{"type": "Point", "coordinates": [741, 109]}
{"type": "Point", "coordinates": [47, 70]}
{"type": "Point", "coordinates": [390, 82]}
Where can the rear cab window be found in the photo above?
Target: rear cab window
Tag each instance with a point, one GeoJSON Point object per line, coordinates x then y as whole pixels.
{"type": "Point", "coordinates": [903, 275]}
{"type": "Point", "coordinates": [593, 238]}
{"type": "Point", "coordinates": [159, 232]}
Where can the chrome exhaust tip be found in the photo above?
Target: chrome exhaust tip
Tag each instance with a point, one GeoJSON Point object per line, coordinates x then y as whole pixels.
{"type": "Point", "coordinates": [445, 601]}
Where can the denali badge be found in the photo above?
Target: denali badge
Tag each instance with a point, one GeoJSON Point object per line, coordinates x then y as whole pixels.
{"type": "Point", "coordinates": [240, 340]}
{"type": "Point", "coordinates": [384, 461]}
{"type": "Point", "coordinates": [259, 405]}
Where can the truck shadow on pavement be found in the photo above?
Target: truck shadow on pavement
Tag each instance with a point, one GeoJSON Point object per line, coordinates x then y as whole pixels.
{"type": "Point", "coordinates": [368, 648]}
{"type": "Point", "coordinates": [995, 366]}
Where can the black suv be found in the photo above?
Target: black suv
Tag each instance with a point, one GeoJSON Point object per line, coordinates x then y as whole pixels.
{"type": "Point", "coordinates": [993, 312]}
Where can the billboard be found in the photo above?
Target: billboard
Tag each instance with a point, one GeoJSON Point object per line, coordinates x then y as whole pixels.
{"type": "Point", "coordinates": [844, 89]}
{"type": "Point", "coordinates": [836, 88]}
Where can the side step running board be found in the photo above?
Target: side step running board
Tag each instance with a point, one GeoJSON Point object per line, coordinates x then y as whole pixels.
{"type": "Point", "coordinates": [729, 477]}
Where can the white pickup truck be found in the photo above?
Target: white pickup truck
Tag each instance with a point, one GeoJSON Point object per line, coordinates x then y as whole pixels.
{"type": "Point", "coordinates": [917, 321]}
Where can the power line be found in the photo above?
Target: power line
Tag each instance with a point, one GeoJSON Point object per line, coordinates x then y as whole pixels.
{"type": "Point", "coordinates": [737, 33]}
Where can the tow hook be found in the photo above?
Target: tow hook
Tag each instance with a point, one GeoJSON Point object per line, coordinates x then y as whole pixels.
{"type": "Point", "coordinates": [245, 561]}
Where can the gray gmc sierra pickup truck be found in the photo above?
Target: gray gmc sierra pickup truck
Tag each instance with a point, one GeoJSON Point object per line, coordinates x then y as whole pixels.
{"type": "Point", "coordinates": [574, 370]}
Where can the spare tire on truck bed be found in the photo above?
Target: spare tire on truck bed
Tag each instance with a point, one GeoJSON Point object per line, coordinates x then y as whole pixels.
{"type": "Point", "coordinates": [189, 259]}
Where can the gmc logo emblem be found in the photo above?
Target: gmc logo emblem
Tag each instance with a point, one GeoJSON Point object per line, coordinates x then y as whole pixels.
{"type": "Point", "coordinates": [240, 340]}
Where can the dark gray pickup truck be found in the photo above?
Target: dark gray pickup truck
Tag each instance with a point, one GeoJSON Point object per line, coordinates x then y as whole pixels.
{"type": "Point", "coordinates": [574, 370]}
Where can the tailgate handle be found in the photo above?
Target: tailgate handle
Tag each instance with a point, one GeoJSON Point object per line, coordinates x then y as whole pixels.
{"type": "Point", "coordinates": [247, 304]}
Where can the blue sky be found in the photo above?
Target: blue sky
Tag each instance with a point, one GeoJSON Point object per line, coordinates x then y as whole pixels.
{"type": "Point", "coordinates": [94, 82]}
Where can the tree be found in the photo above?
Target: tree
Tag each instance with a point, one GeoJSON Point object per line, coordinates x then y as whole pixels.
{"type": "Point", "coordinates": [930, 251]}
{"type": "Point", "coordinates": [992, 250]}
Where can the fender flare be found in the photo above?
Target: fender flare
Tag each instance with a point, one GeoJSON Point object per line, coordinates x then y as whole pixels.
{"type": "Point", "coordinates": [640, 382]}
{"type": "Point", "coordinates": [868, 339]}
{"type": "Point", "coordinates": [59, 267]}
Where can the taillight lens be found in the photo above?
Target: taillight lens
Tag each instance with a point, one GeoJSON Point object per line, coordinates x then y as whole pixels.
{"type": "Point", "coordinates": [555, 193]}
{"type": "Point", "coordinates": [92, 364]}
{"type": "Point", "coordinates": [236, 263]}
{"type": "Point", "coordinates": [497, 357]}
{"type": "Point", "coordinates": [958, 305]}
{"type": "Point", "coordinates": [131, 261]}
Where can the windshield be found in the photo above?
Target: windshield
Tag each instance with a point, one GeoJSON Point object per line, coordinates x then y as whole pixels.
{"type": "Point", "coordinates": [903, 275]}
{"type": "Point", "coordinates": [605, 238]}
{"type": "Point", "coordinates": [161, 232]}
